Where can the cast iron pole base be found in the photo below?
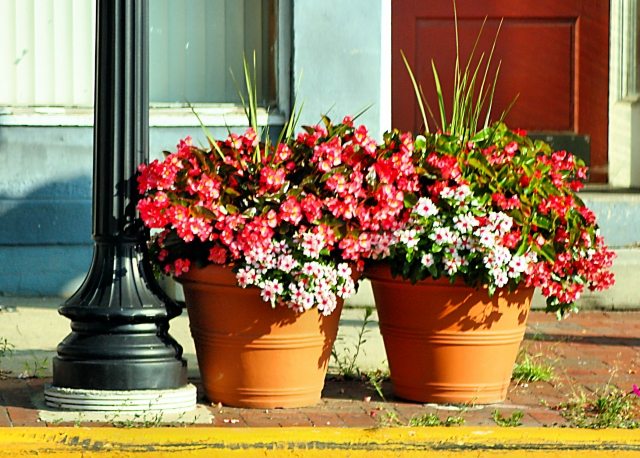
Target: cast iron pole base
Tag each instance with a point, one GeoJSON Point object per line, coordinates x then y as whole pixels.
{"type": "Point", "coordinates": [119, 338]}
{"type": "Point", "coordinates": [120, 341]}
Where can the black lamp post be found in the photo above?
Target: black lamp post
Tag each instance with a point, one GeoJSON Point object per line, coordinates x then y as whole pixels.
{"type": "Point", "coordinates": [119, 316]}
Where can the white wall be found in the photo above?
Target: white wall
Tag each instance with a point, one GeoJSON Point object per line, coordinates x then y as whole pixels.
{"type": "Point", "coordinates": [341, 60]}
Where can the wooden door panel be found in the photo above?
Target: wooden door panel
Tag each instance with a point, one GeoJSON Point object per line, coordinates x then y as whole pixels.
{"type": "Point", "coordinates": [539, 75]}
{"type": "Point", "coordinates": [554, 55]}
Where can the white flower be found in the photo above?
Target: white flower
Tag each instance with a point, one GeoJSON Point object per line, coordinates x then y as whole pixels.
{"type": "Point", "coordinates": [312, 244]}
{"type": "Point", "coordinates": [447, 193]}
{"type": "Point", "coordinates": [517, 266]}
{"type": "Point", "coordinates": [347, 289]}
{"type": "Point", "coordinates": [500, 277]}
{"type": "Point", "coordinates": [344, 270]}
{"type": "Point", "coordinates": [286, 263]}
{"type": "Point", "coordinates": [465, 243]}
{"type": "Point", "coordinates": [443, 236]}
{"type": "Point", "coordinates": [427, 260]}
{"type": "Point", "coordinates": [501, 222]}
{"type": "Point", "coordinates": [246, 276]}
{"type": "Point", "coordinates": [486, 238]}
{"type": "Point", "coordinates": [462, 192]}
{"type": "Point", "coordinates": [326, 303]}
{"type": "Point", "coordinates": [465, 223]}
{"type": "Point", "coordinates": [425, 208]}
{"type": "Point", "coordinates": [271, 290]}
{"type": "Point", "coordinates": [409, 237]}
{"type": "Point", "coordinates": [311, 269]}
{"type": "Point", "coordinates": [280, 247]}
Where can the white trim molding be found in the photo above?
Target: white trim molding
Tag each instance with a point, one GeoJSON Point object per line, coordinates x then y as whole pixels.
{"type": "Point", "coordinates": [624, 102]}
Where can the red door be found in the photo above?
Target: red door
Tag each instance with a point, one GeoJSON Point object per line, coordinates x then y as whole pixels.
{"type": "Point", "coordinates": [554, 55]}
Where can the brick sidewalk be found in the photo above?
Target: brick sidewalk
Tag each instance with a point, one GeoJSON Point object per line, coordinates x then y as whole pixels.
{"type": "Point", "coordinates": [588, 352]}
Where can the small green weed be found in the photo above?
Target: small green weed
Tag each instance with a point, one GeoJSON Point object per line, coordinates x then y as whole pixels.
{"type": "Point", "coordinates": [6, 350]}
{"type": "Point", "coordinates": [513, 420]}
{"type": "Point", "coordinates": [146, 420]}
{"type": "Point", "coordinates": [375, 379]}
{"type": "Point", "coordinates": [608, 408]}
{"type": "Point", "coordinates": [529, 369]}
{"type": "Point", "coordinates": [431, 419]}
{"type": "Point", "coordinates": [347, 362]}
{"type": "Point", "coordinates": [35, 368]}
{"type": "Point", "coordinates": [387, 418]}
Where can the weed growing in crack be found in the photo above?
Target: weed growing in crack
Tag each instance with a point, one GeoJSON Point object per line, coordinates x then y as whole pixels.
{"type": "Point", "coordinates": [35, 368]}
{"type": "Point", "coordinates": [375, 379]}
{"type": "Point", "coordinates": [607, 408]}
{"type": "Point", "coordinates": [347, 362]}
{"type": "Point", "coordinates": [529, 369]}
{"type": "Point", "coordinates": [514, 420]}
{"type": "Point", "coordinates": [6, 350]}
{"type": "Point", "coordinates": [387, 418]}
{"type": "Point", "coordinates": [146, 420]}
{"type": "Point", "coordinates": [432, 419]}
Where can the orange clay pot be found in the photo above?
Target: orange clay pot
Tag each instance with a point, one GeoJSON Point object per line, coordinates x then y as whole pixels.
{"type": "Point", "coordinates": [448, 343]}
{"type": "Point", "coordinates": [250, 354]}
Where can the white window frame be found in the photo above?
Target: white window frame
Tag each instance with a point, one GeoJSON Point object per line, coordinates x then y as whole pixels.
{"type": "Point", "coordinates": [212, 115]}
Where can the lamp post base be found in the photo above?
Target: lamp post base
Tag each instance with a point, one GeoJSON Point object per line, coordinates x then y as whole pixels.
{"type": "Point", "coordinates": [167, 401]}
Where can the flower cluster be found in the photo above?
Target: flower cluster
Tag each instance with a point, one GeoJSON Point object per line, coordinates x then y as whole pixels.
{"type": "Point", "coordinates": [495, 209]}
{"type": "Point", "coordinates": [456, 237]}
{"type": "Point", "coordinates": [270, 212]}
{"type": "Point", "coordinates": [498, 210]}
{"type": "Point", "coordinates": [362, 187]}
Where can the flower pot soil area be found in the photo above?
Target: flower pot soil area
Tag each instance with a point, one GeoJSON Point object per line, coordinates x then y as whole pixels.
{"type": "Point", "coordinates": [594, 358]}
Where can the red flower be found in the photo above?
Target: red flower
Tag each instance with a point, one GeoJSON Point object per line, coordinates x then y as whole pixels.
{"type": "Point", "coordinates": [218, 255]}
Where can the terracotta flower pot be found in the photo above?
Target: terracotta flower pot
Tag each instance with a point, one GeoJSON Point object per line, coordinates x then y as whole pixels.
{"type": "Point", "coordinates": [251, 355]}
{"type": "Point", "coordinates": [449, 343]}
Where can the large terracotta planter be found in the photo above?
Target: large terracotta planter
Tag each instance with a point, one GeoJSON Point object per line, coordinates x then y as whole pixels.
{"type": "Point", "coordinates": [249, 354]}
{"type": "Point", "coordinates": [449, 343]}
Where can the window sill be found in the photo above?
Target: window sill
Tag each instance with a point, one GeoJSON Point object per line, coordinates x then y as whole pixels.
{"type": "Point", "coordinates": [212, 116]}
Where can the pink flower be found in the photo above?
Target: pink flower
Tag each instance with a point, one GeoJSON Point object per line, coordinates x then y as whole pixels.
{"type": "Point", "coordinates": [181, 266]}
{"type": "Point", "coordinates": [271, 180]}
{"type": "Point", "coordinates": [291, 211]}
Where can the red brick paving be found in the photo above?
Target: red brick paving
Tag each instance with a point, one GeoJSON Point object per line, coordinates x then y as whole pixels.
{"type": "Point", "coordinates": [588, 351]}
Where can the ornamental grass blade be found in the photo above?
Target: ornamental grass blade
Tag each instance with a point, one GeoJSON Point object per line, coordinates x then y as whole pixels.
{"type": "Point", "coordinates": [443, 118]}
{"type": "Point", "coordinates": [252, 91]}
{"type": "Point", "coordinates": [495, 78]}
{"type": "Point", "coordinates": [417, 90]}
{"type": "Point", "coordinates": [250, 104]}
{"type": "Point", "coordinates": [294, 118]}
{"type": "Point", "coordinates": [213, 144]}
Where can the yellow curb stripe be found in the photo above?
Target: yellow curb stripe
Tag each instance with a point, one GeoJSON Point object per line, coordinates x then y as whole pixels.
{"type": "Point", "coordinates": [317, 442]}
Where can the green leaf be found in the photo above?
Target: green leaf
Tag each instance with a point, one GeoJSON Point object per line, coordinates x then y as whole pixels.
{"type": "Point", "coordinates": [420, 143]}
{"type": "Point", "coordinates": [541, 221]}
{"type": "Point", "coordinates": [410, 200]}
{"type": "Point", "coordinates": [232, 209]}
{"type": "Point", "coordinates": [232, 192]}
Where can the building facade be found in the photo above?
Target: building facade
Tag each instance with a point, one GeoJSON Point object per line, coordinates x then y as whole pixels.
{"type": "Point", "coordinates": [333, 57]}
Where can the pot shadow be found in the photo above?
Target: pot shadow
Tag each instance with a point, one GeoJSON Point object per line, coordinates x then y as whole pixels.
{"type": "Point", "coordinates": [327, 325]}
{"type": "Point", "coordinates": [474, 312]}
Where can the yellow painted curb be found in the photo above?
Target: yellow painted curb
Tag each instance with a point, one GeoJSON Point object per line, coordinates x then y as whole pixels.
{"type": "Point", "coordinates": [318, 442]}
